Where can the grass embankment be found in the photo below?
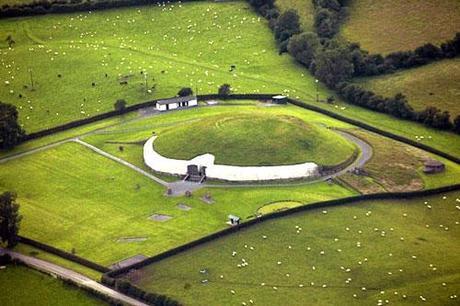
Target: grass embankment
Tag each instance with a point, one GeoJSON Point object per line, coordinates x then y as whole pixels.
{"type": "Point", "coordinates": [21, 286]}
{"type": "Point", "coordinates": [435, 84]}
{"type": "Point", "coordinates": [246, 139]}
{"type": "Point", "coordinates": [195, 50]}
{"type": "Point", "coordinates": [387, 26]}
{"type": "Point", "coordinates": [90, 203]}
{"type": "Point", "coordinates": [132, 134]}
{"type": "Point", "coordinates": [397, 167]}
{"type": "Point", "coordinates": [403, 251]}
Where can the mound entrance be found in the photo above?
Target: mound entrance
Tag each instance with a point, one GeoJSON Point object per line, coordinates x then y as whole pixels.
{"type": "Point", "coordinates": [254, 140]}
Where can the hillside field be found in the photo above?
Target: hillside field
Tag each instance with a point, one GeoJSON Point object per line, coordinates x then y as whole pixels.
{"type": "Point", "coordinates": [21, 286]}
{"type": "Point", "coordinates": [126, 51]}
{"type": "Point", "coordinates": [386, 26]}
{"type": "Point", "coordinates": [368, 253]}
{"type": "Point", "coordinates": [435, 84]}
{"type": "Point", "coordinates": [303, 7]}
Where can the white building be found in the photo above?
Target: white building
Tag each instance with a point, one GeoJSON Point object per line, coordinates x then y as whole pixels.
{"type": "Point", "coordinates": [177, 102]}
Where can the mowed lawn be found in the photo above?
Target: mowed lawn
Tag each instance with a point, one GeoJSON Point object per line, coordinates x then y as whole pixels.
{"type": "Point", "coordinates": [21, 286]}
{"type": "Point", "coordinates": [91, 203]}
{"type": "Point", "coordinates": [369, 253]}
{"type": "Point", "coordinates": [386, 26]}
{"type": "Point", "coordinates": [175, 45]}
{"type": "Point", "coordinates": [435, 84]}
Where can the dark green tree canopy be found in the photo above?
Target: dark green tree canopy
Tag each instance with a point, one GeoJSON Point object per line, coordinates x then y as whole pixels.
{"type": "Point", "coordinates": [185, 91]}
{"type": "Point", "coordinates": [9, 219]}
{"type": "Point", "coordinates": [11, 132]}
{"type": "Point", "coordinates": [225, 89]}
{"type": "Point", "coordinates": [120, 105]}
{"type": "Point", "coordinates": [303, 47]}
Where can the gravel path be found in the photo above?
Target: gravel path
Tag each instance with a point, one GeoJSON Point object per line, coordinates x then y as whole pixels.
{"type": "Point", "coordinates": [67, 274]}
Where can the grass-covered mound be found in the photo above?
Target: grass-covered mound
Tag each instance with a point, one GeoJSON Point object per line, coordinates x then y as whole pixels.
{"type": "Point", "coordinates": [386, 26]}
{"type": "Point", "coordinates": [254, 139]}
{"type": "Point", "coordinates": [22, 286]}
{"type": "Point", "coordinates": [403, 251]}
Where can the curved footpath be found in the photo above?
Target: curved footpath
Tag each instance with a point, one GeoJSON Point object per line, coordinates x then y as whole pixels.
{"type": "Point", "coordinates": [73, 276]}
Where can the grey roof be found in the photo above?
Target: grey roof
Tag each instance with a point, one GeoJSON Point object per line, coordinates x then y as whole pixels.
{"type": "Point", "coordinates": [176, 100]}
{"type": "Point", "coordinates": [433, 163]}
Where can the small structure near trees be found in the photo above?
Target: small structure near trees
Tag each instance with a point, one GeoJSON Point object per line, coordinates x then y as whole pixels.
{"type": "Point", "coordinates": [233, 220]}
{"type": "Point", "coordinates": [433, 166]}
{"type": "Point", "coordinates": [176, 103]}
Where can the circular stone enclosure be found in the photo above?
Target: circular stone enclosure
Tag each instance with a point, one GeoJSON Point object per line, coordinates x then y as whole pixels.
{"type": "Point", "coordinates": [254, 139]}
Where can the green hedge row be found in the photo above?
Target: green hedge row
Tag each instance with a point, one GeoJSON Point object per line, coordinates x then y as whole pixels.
{"type": "Point", "coordinates": [64, 254]}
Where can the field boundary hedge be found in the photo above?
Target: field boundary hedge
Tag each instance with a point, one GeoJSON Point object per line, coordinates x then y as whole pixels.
{"type": "Point", "coordinates": [307, 207]}
{"type": "Point", "coordinates": [64, 254]}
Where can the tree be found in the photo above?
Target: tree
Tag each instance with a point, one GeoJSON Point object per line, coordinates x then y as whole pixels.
{"type": "Point", "coordinates": [303, 47]}
{"type": "Point", "coordinates": [333, 66]}
{"type": "Point", "coordinates": [11, 132]}
{"type": "Point", "coordinates": [120, 105]}
{"type": "Point", "coordinates": [225, 89]}
{"type": "Point", "coordinates": [457, 124]}
{"type": "Point", "coordinates": [287, 25]}
{"type": "Point", "coordinates": [185, 91]}
{"type": "Point", "coordinates": [10, 41]}
{"type": "Point", "coordinates": [9, 219]}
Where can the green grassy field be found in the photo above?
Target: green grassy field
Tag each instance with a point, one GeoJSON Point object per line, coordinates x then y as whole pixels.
{"type": "Point", "coordinates": [196, 50]}
{"type": "Point", "coordinates": [368, 253]}
{"type": "Point", "coordinates": [435, 84]}
{"type": "Point", "coordinates": [303, 7]}
{"type": "Point", "coordinates": [247, 139]}
{"type": "Point", "coordinates": [387, 26]}
{"type": "Point", "coordinates": [396, 167]}
{"type": "Point", "coordinates": [90, 203]}
{"type": "Point", "coordinates": [21, 286]}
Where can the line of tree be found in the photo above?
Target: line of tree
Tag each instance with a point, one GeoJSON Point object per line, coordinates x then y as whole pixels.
{"type": "Point", "coordinates": [375, 64]}
{"type": "Point", "coordinates": [11, 133]}
{"type": "Point", "coordinates": [127, 288]}
{"type": "Point", "coordinates": [335, 62]}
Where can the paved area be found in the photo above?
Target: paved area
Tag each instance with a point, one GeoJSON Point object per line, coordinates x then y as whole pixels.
{"type": "Point", "coordinates": [67, 274]}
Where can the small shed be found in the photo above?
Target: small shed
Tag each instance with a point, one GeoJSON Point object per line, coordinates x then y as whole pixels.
{"type": "Point", "coordinates": [433, 166]}
{"type": "Point", "coordinates": [233, 220]}
{"type": "Point", "coordinates": [176, 103]}
{"type": "Point", "coordinates": [279, 99]}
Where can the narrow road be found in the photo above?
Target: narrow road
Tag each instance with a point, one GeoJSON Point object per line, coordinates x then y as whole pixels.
{"type": "Point", "coordinates": [67, 274]}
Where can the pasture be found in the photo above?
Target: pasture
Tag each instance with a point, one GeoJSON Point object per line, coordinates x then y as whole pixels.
{"type": "Point", "coordinates": [435, 84]}
{"type": "Point", "coordinates": [21, 286]}
{"type": "Point", "coordinates": [376, 252]}
{"type": "Point", "coordinates": [387, 26]}
{"type": "Point", "coordinates": [125, 52]}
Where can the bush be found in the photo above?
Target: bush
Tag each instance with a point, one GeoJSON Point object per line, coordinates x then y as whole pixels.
{"type": "Point", "coordinates": [225, 90]}
{"type": "Point", "coordinates": [185, 91]}
{"type": "Point", "coordinates": [120, 105]}
{"type": "Point", "coordinates": [303, 47]}
{"type": "Point", "coordinates": [11, 132]}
